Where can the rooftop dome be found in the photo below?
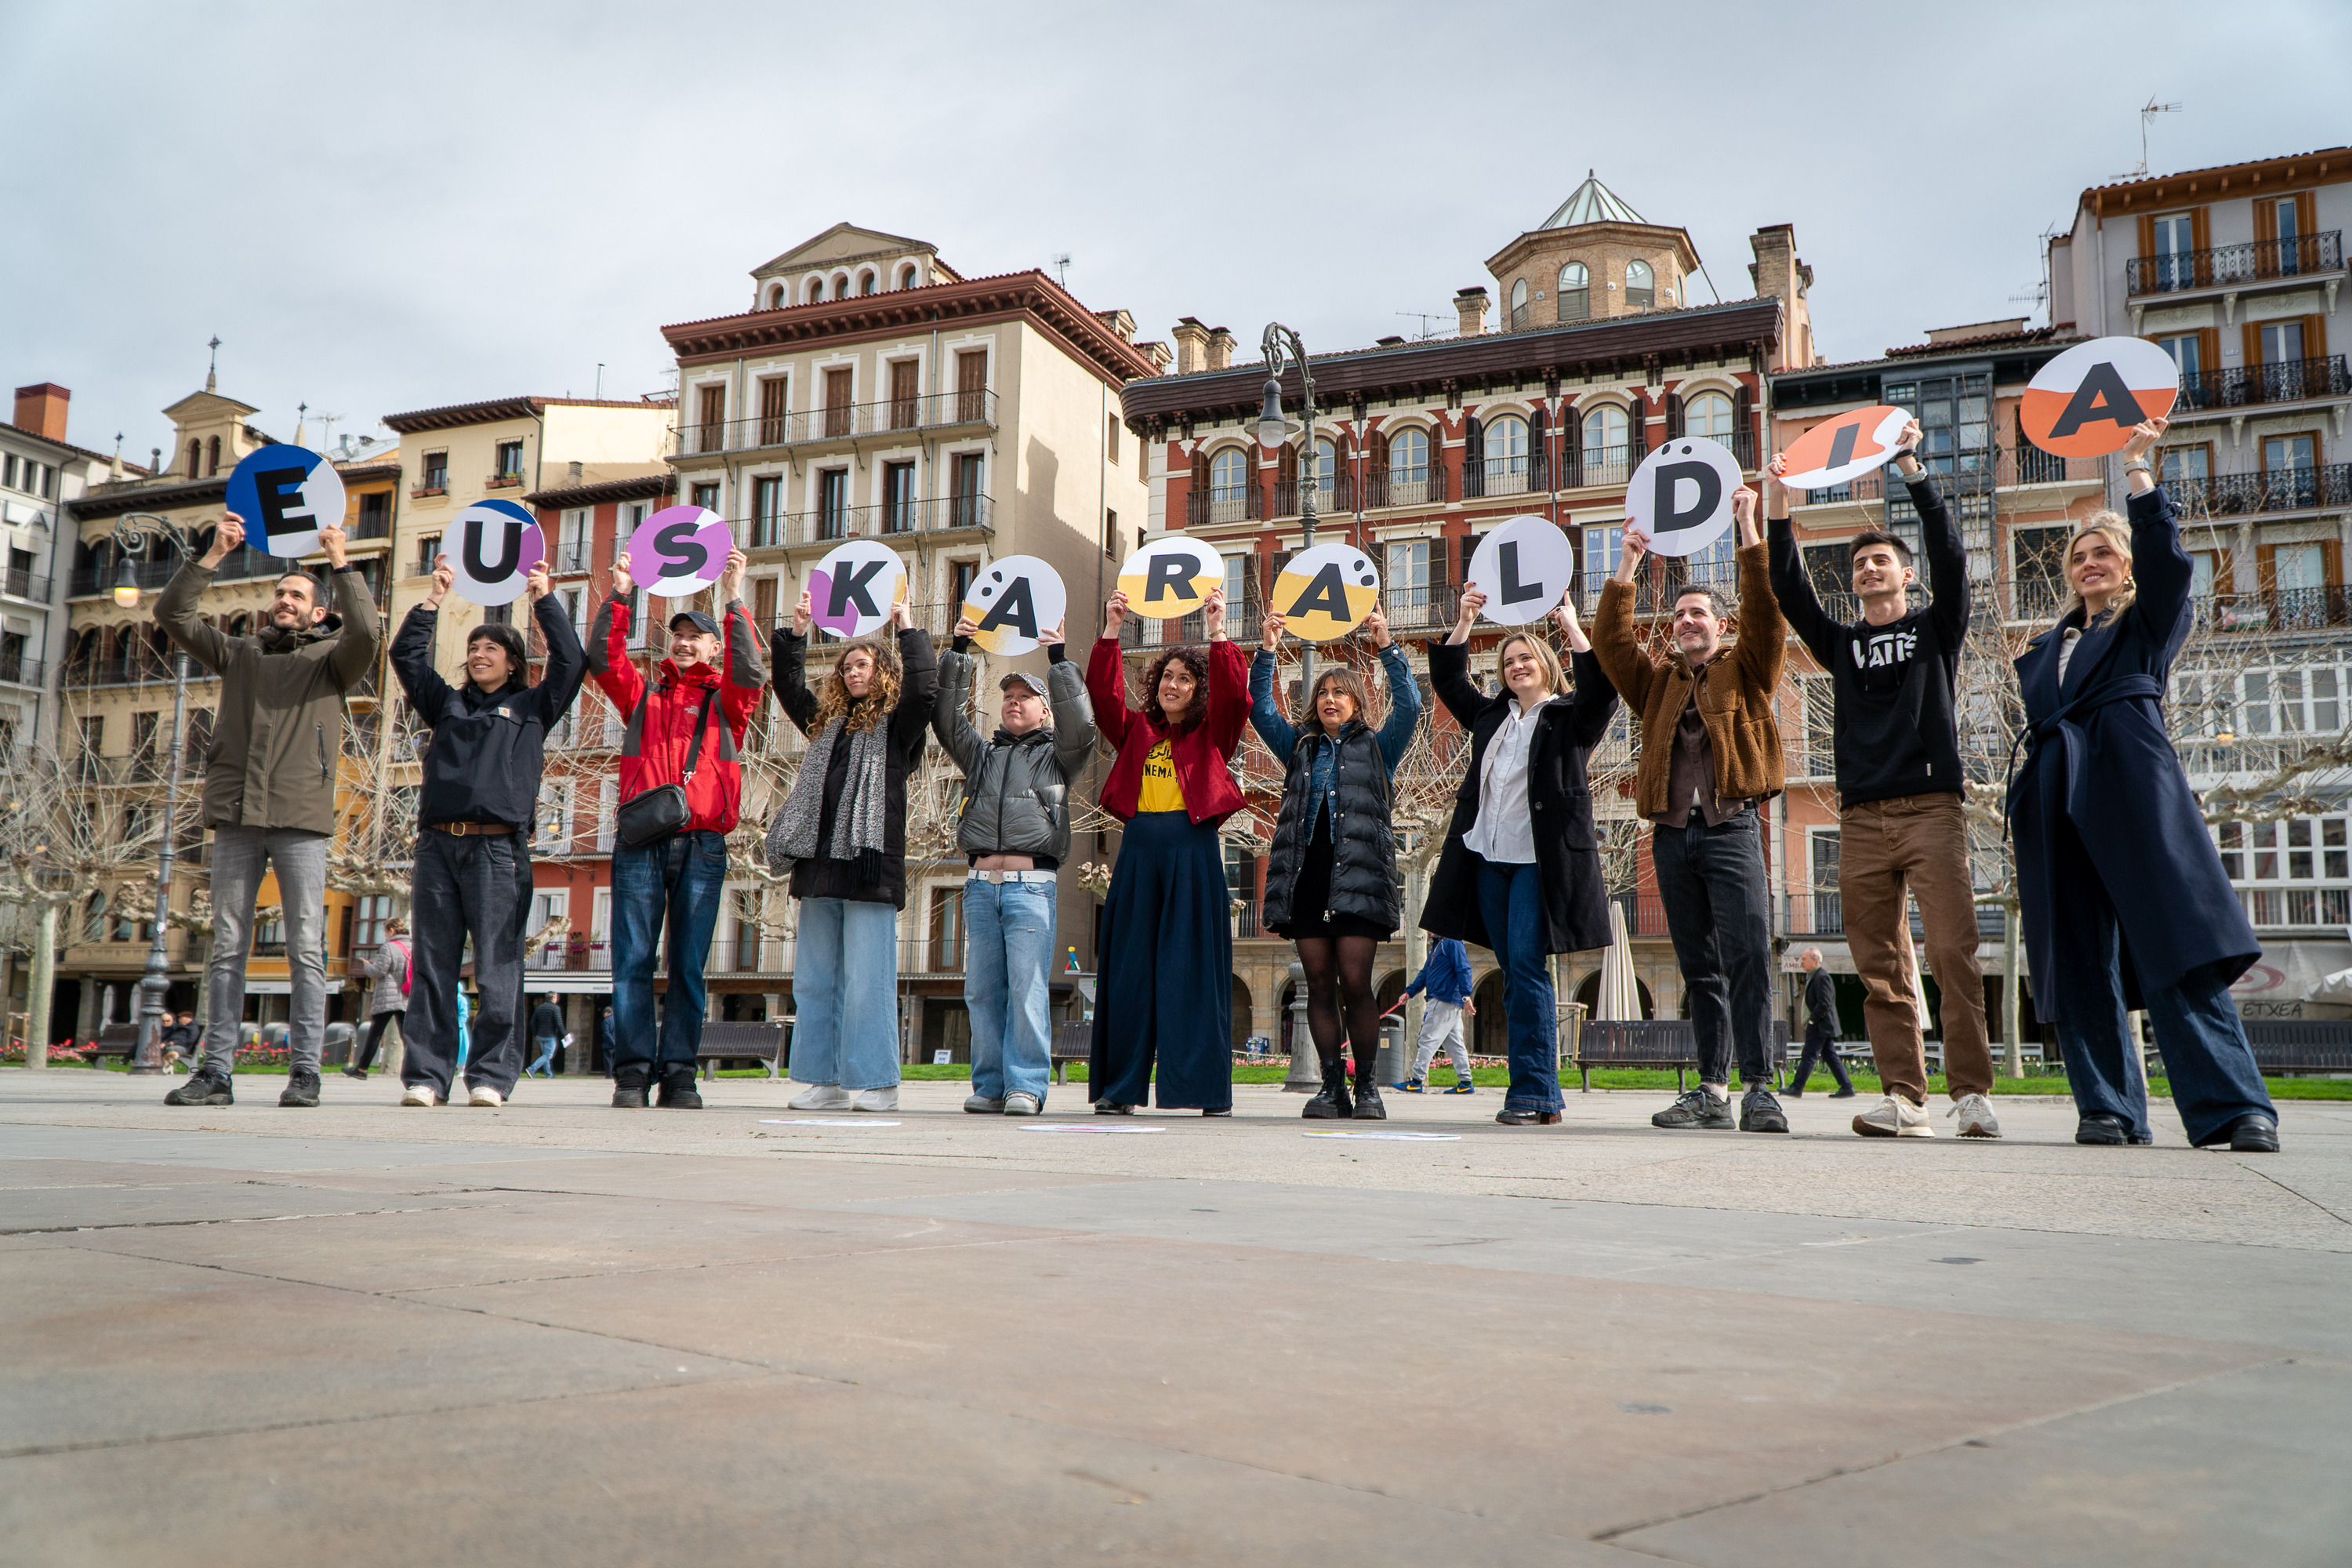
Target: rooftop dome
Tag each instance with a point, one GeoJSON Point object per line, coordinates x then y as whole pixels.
{"type": "Point", "coordinates": [1591, 202]}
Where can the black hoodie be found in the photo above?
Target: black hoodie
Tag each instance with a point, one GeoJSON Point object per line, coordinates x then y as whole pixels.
{"type": "Point", "coordinates": [489, 747]}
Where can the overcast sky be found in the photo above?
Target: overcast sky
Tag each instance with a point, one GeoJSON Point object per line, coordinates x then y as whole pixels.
{"type": "Point", "coordinates": [393, 207]}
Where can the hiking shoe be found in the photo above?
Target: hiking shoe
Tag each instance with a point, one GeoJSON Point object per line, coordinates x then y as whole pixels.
{"type": "Point", "coordinates": [1410, 1086]}
{"type": "Point", "coordinates": [1699, 1108]}
{"type": "Point", "coordinates": [205, 1088]}
{"type": "Point", "coordinates": [980, 1105]}
{"type": "Point", "coordinates": [419, 1094]}
{"type": "Point", "coordinates": [820, 1097]}
{"type": "Point", "coordinates": [1020, 1104]}
{"type": "Point", "coordinates": [484, 1096]}
{"type": "Point", "coordinates": [1464, 1087]}
{"type": "Point", "coordinates": [874, 1098]}
{"type": "Point", "coordinates": [1895, 1117]}
{"type": "Point", "coordinates": [629, 1096]}
{"type": "Point", "coordinates": [302, 1091]}
{"type": "Point", "coordinates": [1759, 1112]}
{"type": "Point", "coordinates": [679, 1093]}
{"type": "Point", "coordinates": [1977, 1119]}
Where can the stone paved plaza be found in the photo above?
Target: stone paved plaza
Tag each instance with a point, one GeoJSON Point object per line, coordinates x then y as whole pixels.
{"type": "Point", "coordinates": [559, 1333]}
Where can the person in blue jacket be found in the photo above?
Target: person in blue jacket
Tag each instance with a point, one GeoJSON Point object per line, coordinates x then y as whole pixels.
{"type": "Point", "coordinates": [1446, 977]}
{"type": "Point", "coordinates": [2123, 894]}
{"type": "Point", "coordinates": [1330, 878]}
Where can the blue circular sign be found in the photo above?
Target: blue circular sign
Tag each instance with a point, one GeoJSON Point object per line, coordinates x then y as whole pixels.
{"type": "Point", "coordinates": [286, 495]}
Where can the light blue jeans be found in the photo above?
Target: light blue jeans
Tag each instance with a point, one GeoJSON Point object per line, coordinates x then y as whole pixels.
{"type": "Point", "coordinates": [845, 994]}
{"type": "Point", "coordinates": [1008, 933]}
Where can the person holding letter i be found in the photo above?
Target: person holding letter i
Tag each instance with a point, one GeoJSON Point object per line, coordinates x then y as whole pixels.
{"type": "Point", "coordinates": [1710, 757]}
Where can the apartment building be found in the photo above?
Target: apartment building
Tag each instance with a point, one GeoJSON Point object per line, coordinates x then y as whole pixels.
{"type": "Point", "coordinates": [40, 472]}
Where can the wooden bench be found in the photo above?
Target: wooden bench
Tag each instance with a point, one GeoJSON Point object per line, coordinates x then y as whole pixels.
{"type": "Point", "coordinates": [768, 1041]}
{"type": "Point", "coordinates": [1073, 1041]}
{"type": "Point", "coordinates": [114, 1040]}
{"type": "Point", "coordinates": [1649, 1042]}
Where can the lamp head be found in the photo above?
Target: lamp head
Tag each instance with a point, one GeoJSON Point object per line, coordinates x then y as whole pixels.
{"type": "Point", "coordinates": [1272, 427]}
{"type": "Point", "coordinates": [126, 585]}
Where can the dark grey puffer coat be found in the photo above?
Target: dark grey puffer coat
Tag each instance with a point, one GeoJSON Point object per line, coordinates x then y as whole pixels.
{"type": "Point", "coordinates": [1015, 787]}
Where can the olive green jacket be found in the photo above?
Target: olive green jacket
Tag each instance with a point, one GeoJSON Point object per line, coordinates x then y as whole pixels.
{"type": "Point", "coordinates": [279, 728]}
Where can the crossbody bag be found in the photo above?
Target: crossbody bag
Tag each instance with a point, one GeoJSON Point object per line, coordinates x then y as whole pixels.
{"type": "Point", "coordinates": [644, 820]}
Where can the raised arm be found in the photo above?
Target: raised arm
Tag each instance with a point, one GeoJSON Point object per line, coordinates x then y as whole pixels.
{"type": "Point", "coordinates": [175, 612]}
{"type": "Point", "coordinates": [964, 745]}
{"type": "Point", "coordinates": [1762, 650]}
{"type": "Point", "coordinates": [1106, 685]}
{"type": "Point", "coordinates": [360, 642]}
{"type": "Point", "coordinates": [1799, 606]}
{"type": "Point", "coordinates": [918, 688]}
{"type": "Point", "coordinates": [1594, 703]}
{"type": "Point", "coordinates": [608, 655]}
{"type": "Point", "coordinates": [1266, 717]}
{"type": "Point", "coordinates": [1449, 677]}
{"type": "Point", "coordinates": [788, 655]}
{"type": "Point", "coordinates": [1621, 659]}
{"type": "Point", "coordinates": [411, 662]}
{"type": "Point", "coordinates": [1074, 710]}
{"type": "Point", "coordinates": [567, 661]}
{"type": "Point", "coordinates": [744, 675]}
{"type": "Point", "coordinates": [1229, 703]}
{"type": "Point", "coordinates": [1404, 707]}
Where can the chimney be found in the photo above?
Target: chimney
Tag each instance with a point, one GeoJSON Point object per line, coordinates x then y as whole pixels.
{"type": "Point", "coordinates": [1192, 345]}
{"type": "Point", "coordinates": [41, 408]}
{"type": "Point", "coordinates": [1120, 322]}
{"type": "Point", "coordinates": [576, 467]}
{"type": "Point", "coordinates": [1779, 273]}
{"type": "Point", "coordinates": [1157, 352]}
{"type": "Point", "coordinates": [1470, 308]}
{"type": "Point", "coordinates": [1220, 349]}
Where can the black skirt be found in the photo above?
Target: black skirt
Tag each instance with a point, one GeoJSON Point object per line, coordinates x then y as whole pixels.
{"type": "Point", "coordinates": [1310, 915]}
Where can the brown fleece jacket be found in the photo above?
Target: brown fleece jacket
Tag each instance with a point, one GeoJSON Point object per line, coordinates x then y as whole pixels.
{"type": "Point", "coordinates": [1735, 690]}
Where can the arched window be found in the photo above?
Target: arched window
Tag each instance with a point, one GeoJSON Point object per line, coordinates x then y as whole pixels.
{"type": "Point", "coordinates": [1229, 474]}
{"type": "Point", "coordinates": [195, 457]}
{"type": "Point", "coordinates": [1639, 293]}
{"type": "Point", "coordinates": [815, 290]}
{"type": "Point", "coordinates": [1327, 465]}
{"type": "Point", "coordinates": [907, 275]}
{"type": "Point", "coordinates": [867, 283]}
{"type": "Point", "coordinates": [1575, 292]}
{"type": "Point", "coordinates": [212, 458]}
{"type": "Point", "coordinates": [1708, 415]}
{"type": "Point", "coordinates": [1518, 303]}
{"type": "Point", "coordinates": [238, 623]}
{"type": "Point", "coordinates": [1507, 455]}
{"type": "Point", "coordinates": [1604, 435]}
{"type": "Point", "coordinates": [1409, 457]}
{"type": "Point", "coordinates": [841, 284]}
{"type": "Point", "coordinates": [776, 296]}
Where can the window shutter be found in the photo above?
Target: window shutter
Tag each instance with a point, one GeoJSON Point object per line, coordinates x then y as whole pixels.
{"type": "Point", "coordinates": [1469, 548]}
{"type": "Point", "coordinates": [1473, 457]}
{"type": "Point", "coordinates": [1674, 415]}
{"type": "Point", "coordinates": [1743, 427]}
{"type": "Point", "coordinates": [1437, 570]}
{"type": "Point", "coordinates": [1540, 450]}
{"type": "Point", "coordinates": [1572, 449]}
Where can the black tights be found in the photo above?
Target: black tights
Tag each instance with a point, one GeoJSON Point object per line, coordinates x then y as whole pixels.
{"type": "Point", "coordinates": [1336, 966]}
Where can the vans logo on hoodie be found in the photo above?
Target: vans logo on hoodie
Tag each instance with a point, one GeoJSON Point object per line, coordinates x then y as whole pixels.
{"type": "Point", "coordinates": [1885, 648]}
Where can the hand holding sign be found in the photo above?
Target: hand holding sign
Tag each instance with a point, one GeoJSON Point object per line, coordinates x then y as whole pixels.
{"type": "Point", "coordinates": [681, 549]}
{"type": "Point", "coordinates": [2088, 401]}
{"type": "Point", "coordinates": [1170, 577]}
{"type": "Point", "coordinates": [227, 537]}
{"type": "Point", "coordinates": [1322, 592]}
{"type": "Point", "coordinates": [1521, 569]}
{"type": "Point", "coordinates": [494, 545]}
{"type": "Point", "coordinates": [1681, 497]}
{"type": "Point", "coordinates": [858, 586]}
{"type": "Point", "coordinates": [294, 493]}
{"type": "Point", "coordinates": [1009, 602]}
{"type": "Point", "coordinates": [1843, 449]}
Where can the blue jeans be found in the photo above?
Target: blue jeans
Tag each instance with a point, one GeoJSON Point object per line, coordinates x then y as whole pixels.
{"type": "Point", "coordinates": [1511, 900]}
{"type": "Point", "coordinates": [845, 994]}
{"type": "Point", "coordinates": [1711, 882]}
{"type": "Point", "coordinates": [678, 880]}
{"type": "Point", "coordinates": [240, 857]}
{"type": "Point", "coordinates": [2206, 1057]}
{"type": "Point", "coordinates": [548, 1045]}
{"type": "Point", "coordinates": [1008, 933]}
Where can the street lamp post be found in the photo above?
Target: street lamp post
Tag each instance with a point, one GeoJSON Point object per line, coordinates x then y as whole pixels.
{"type": "Point", "coordinates": [1273, 429]}
{"type": "Point", "coordinates": [135, 533]}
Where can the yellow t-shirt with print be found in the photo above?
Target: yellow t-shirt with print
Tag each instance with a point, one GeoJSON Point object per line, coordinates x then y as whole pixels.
{"type": "Point", "coordinates": [1162, 791]}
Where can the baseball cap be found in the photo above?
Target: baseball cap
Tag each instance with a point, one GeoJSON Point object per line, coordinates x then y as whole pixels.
{"type": "Point", "coordinates": [1023, 679]}
{"type": "Point", "coordinates": [696, 619]}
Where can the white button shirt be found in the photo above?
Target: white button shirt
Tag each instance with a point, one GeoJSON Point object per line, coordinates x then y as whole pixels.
{"type": "Point", "coordinates": [1505, 832]}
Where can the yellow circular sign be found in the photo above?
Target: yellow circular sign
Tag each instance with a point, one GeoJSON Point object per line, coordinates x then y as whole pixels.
{"type": "Point", "coordinates": [1322, 592]}
{"type": "Point", "coordinates": [1170, 577]}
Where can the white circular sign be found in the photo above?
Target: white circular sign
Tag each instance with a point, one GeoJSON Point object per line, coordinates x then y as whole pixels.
{"type": "Point", "coordinates": [1523, 568]}
{"type": "Point", "coordinates": [1170, 577]}
{"type": "Point", "coordinates": [679, 551]}
{"type": "Point", "coordinates": [1322, 592]}
{"type": "Point", "coordinates": [492, 545]}
{"type": "Point", "coordinates": [1012, 601]}
{"type": "Point", "coordinates": [1845, 448]}
{"type": "Point", "coordinates": [1681, 495]}
{"type": "Point", "coordinates": [2085, 403]}
{"type": "Point", "coordinates": [852, 589]}
{"type": "Point", "coordinates": [285, 494]}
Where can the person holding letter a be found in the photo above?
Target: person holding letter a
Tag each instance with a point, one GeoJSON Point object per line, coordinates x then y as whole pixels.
{"type": "Point", "coordinates": [269, 786]}
{"type": "Point", "coordinates": [1167, 941]}
{"type": "Point", "coordinates": [684, 728]}
{"type": "Point", "coordinates": [1013, 826]}
{"type": "Point", "coordinates": [1520, 872]}
{"type": "Point", "coordinates": [479, 797]}
{"type": "Point", "coordinates": [1331, 876]}
{"type": "Point", "coordinates": [2124, 898]}
{"type": "Point", "coordinates": [841, 835]}
{"type": "Point", "coordinates": [1710, 756]}
{"type": "Point", "coordinates": [1903, 829]}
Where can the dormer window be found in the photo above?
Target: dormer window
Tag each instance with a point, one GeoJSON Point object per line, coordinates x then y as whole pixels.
{"type": "Point", "coordinates": [867, 283]}
{"type": "Point", "coordinates": [1640, 291]}
{"type": "Point", "coordinates": [1519, 304]}
{"type": "Point", "coordinates": [1575, 292]}
{"type": "Point", "coordinates": [906, 274]}
{"type": "Point", "coordinates": [776, 300]}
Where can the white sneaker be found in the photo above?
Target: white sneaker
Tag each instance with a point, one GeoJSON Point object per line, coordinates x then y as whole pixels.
{"type": "Point", "coordinates": [876, 1098]}
{"type": "Point", "coordinates": [1977, 1119]}
{"type": "Point", "coordinates": [477, 1094]}
{"type": "Point", "coordinates": [1020, 1104]}
{"type": "Point", "coordinates": [820, 1097]}
{"type": "Point", "coordinates": [1895, 1117]}
{"type": "Point", "coordinates": [420, 1094]}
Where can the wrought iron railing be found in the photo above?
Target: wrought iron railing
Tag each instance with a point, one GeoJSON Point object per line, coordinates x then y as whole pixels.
{"type": "Point", "coordinates": [2224, 265]}
{"type": "Point", "coordinates": [2281, 489]}
{"type": "Point", "coordinates": [21, 669]}
{"type": "Point", "coordinates": [884, 520]}
{"type": "Point", "coordinates": [925, 411]}
{"type": "Point", "coordinates": [2251, 385]}
{"type": "Point", "coordinates": [21, 582]}
{"type": "Point", "coordinates": [1242, 503]}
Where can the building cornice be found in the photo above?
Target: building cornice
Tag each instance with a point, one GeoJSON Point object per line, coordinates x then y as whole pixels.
{"type": "Point", "coordinates": [644, 487]}
{"type": "Point", "coordinates": [492, 411]}
{"type": "Point", "coordinates": [150, 497]}
{"type": "Point", "coordinates": [2327, 166]}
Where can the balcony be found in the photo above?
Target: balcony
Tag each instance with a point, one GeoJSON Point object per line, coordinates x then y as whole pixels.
{"type": "Point", "coordinates": [19, 583]}
{"type": "Point", "coordinates": [930, 411]}
{"type": "Point", "coordinates": [2256, 385]}
{"type": "Point", "coordinates": [1244, 503]}
{"type": "Point", "coordinates": [2236, 266]}
{"type": "Point", "coordinates": [373, 526]}
{"type": "Point", "coordinates": [2280, 610]}
{"type": "Point", "coordinates": [573, 558]}
{"type": "Point", "coordinates": [1331, 496]}
{"type": "Point", "coordinates": [1404, 486]}
{"type": "Point", "coordinates": [1424, 611]}
{"type": "Point", "coordinates": [17, 670]}
{"type": "Point", "coordinates": [829, 526]}
{"type": "Point", "coordinates": [2244, 495]}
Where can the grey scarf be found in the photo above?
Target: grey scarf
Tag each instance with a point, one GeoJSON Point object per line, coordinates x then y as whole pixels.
{"type": "Point", "coordinates": [858, 817]}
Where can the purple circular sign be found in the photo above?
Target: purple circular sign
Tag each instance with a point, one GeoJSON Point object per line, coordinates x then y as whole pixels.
{"type": "Point", "coordinates": [681, 550]}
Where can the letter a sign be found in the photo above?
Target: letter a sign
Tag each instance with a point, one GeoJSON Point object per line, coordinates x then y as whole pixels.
{"type": "Point", "coordinates": [2085, 403]}
{"type": "Point", "coordinates": [286, 495]}
{"type": "Point", "coordinates": [1012, 601]}
{"type": "Point", "coordinates": [1322, 592]}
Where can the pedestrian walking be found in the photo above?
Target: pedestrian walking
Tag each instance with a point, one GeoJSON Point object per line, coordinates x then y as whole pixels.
{"type": "Point", "coordinates": [388, 974]}
{"type": "Point", "coordinates": [1166, 943]}
{"type": "Point", "coordinates": [2124, 899]}
{"type": "Point", "coordinates": [1520, 872]}
{"type": "Point", "coordinates": [270, 787]}
{"type": "Point", "coordinates": [547, 1028]}
{"type": "Point", "coordinates": [1013, 828]}
{"type": "Point", "coordinates": [604, 1039]}
{"type": "Point", "coordinates": [1821, 1029]}
{"type": "Point", "coordinates": [1331, 876]}
{"type": "Point", "coordinates": [1443, 985]}
{"type": "Point", "coordinates": [681, 795]}
{"type": "Point", "coordinates": [841, 837]}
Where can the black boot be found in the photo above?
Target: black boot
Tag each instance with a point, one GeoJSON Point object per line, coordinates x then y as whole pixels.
{"type": "Point", "coordinates": [1368, 1094]}
{"type": "Point", "coordinates": [629, 1086]}
{"type": "Point", "coordinates": [677, 1091]}
{"type": "Point", "coordinates": [1331, 1102]}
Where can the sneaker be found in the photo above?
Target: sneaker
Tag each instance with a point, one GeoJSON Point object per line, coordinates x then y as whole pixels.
{"type": "Point", "coordinates": [1895, 1117]}
{"type": "Point", "coordinates": [876, 1098]}
{"type": "Point", "coordinates": [1410, 1086]}
{"type": "Point", "coordinates": [1759, 1112]}
{"type": "Point", "coordinates": [1699, 1108]}
{"type": "Point", "coordinates": [483, 1095]}
{"type": "Point", "coordinates": [1464, 1087]}
{"type": "Point", "coordinates": [980, 1105]}
{"type": "Point", "coordinates": [2100, 1128]}
{"type": "Point", "coordinates": [628, 1093]}
{"type": "Point", "coordinates": [820, 1097]}
{"type": "Point", "coordinates": [205, 1088]}
{"type": "Point", "coordinates": [1843, 1094]}
{"type": "Point", "coordinates": [1977, 1119]}
{"type": "Point", "coordinates": [1019, 1104]}
{"type": "Point", "coordinates": [302, 1091]}
{"type": "Point", "coordinates": [679, 1093]}
{"type": "Point", "coordinates": [419, 1094]}
{"type": "Point", "coordinates": [359, 1073]}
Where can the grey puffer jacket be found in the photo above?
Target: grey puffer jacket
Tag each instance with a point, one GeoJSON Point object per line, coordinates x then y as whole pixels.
{"type": "Point", "coordinates": [1016, 787]}
{"type": "Point", "coordinates": [384, 968]}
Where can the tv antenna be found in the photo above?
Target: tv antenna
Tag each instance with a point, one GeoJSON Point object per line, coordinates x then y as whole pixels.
{"type": "Point", "coordinates": [2149, 110]}
{"type": "Point", "coordinates": [1424, 317]}
{"type": "Point", "coordinates": [1061, 271]}
{"type": "Point", "coordinates": [326, 423]}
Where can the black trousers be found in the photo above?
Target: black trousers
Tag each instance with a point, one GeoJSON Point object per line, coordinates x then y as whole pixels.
{"type": "Point", "coordinates": [481, 886]}
{"type": "Point", "coordinates": [1821, 1044]}
{"type": "Point", "coordinates": [1711, 881]}
{"type": "Point", "coordinates": [376, 1027]}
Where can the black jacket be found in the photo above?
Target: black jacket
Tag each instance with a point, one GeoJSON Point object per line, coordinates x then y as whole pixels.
{"type": "Point", "coordinates": [1821, 1002]}
{"type": "Point", "coordinates": [489, 747]}
{"type": "Point", "coordinates": [1363, 845]}
{"type": "Point", "coordinates": [910, 730]}
{"type": "Point", "coordinates": [1559, 804]}
{"type": "Point", "coordinates": [546, 1022]}
{"type": "Point", "coordinates": [1894, 724]}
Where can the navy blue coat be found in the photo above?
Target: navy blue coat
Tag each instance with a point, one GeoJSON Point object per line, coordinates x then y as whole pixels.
{"type": "Point", "coordinates": [2106, 828]}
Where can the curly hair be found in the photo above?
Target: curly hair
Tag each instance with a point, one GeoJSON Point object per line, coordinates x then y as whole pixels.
{"type": "Point", "coordinates": [1191, 659]}
{"type": "Point", "coordinates": [833, 699]}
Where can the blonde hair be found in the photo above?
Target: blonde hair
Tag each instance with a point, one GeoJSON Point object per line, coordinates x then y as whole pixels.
{"type": "Point", "coordinates": [1555, 680]}
{"type": "Point", "coordinates": [2111, 527]}
{"type": "Point", "coordinates": [832, 699]}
